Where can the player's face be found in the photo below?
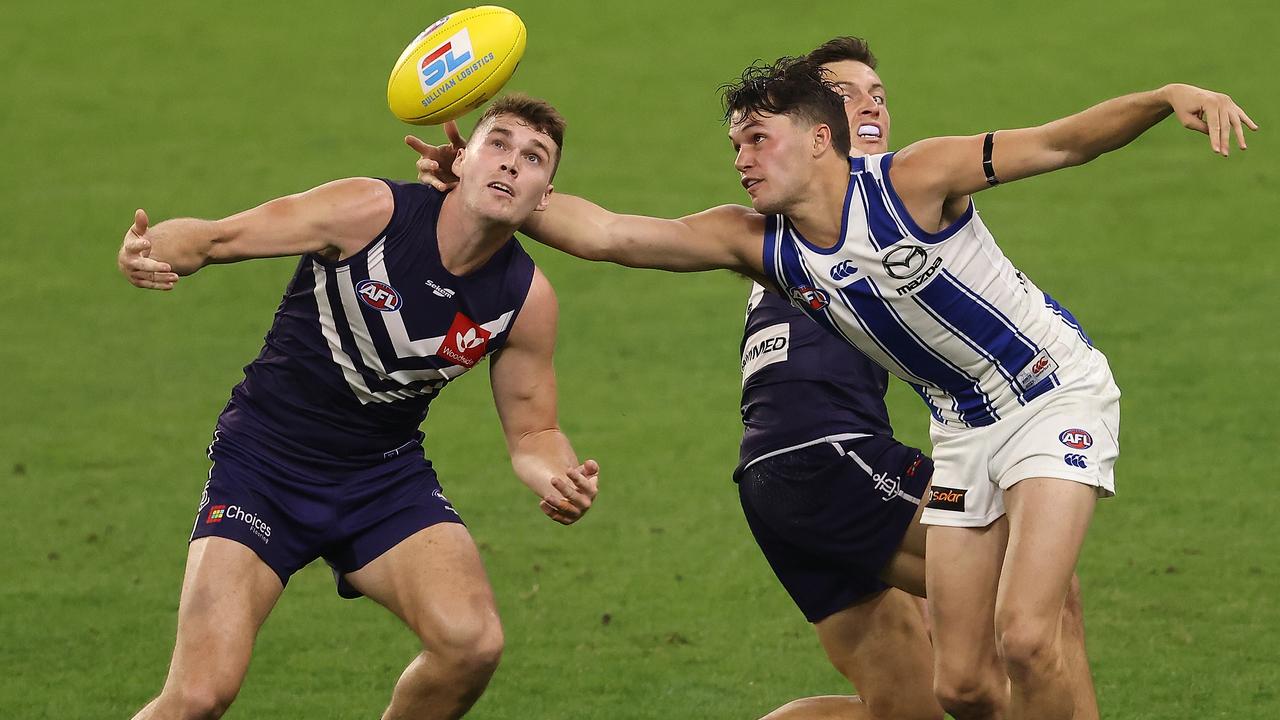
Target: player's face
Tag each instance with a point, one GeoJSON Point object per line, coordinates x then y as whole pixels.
{"type": "Point", "coordinates": [772, 161]}
{"type": "Point", "coordinates": [505, 171]}
{"type": "Point", "coordinates": [864, 104]}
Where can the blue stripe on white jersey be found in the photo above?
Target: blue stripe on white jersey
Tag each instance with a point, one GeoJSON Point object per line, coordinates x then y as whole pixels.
{"type": "Point", "coordinates": [885, 230]}
{"type": "Point", "coordinates": [886, 327]}
{"type": "Point", "coordinates": [1067, 318]}
{"type": "Point", "coordinates": [913, 359]}
{"type": "Point", "coordinates": [981, 326]}
{"type": "Point", "coordinates": [945, 310]}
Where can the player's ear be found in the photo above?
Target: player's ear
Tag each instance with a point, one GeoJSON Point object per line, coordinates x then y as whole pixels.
{"type": "Point", "coordinates": [546, 198]}
{"type": "Point", "coordinates": [821, 139]}
{"type": "Point", "coordinates": [457, 162]}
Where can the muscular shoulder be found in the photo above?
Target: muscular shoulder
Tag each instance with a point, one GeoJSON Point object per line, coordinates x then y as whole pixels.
{"type": "Point", "coordinates": [536, 324]}
{"type": "Point", "coordinates": [737, 228]}
{"type": "Point", "coordinates": [350, 212]}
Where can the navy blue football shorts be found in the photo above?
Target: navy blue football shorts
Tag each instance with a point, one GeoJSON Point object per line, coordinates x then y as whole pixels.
{"type": "Point", "coordinates": [830, 516]}
{"type": "Point", "coordinates": [291, 513]}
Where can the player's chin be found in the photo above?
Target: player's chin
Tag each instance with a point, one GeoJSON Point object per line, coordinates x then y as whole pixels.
{"type": "Point", "coordinates": [868, 146]}
{"type": "Point", "coordinates": [766, 205]}
{"type": "Point", "coordinates": [504, 210]}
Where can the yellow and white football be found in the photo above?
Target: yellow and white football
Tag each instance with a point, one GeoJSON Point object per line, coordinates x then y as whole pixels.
{"type": "Point", "coordinates": [455, 65]}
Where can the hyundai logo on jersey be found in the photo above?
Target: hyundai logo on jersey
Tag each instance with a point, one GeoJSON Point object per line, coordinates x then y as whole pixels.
{"type": "Point", "coordinates": [1076, 438]}
{"type": "Point", "coordinates": [378, 295]}
{"type": "Point", "coordinates": [811, 297]}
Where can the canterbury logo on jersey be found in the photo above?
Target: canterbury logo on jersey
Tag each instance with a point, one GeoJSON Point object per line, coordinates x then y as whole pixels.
{"type": "Point", "coordinates": [843, 270]}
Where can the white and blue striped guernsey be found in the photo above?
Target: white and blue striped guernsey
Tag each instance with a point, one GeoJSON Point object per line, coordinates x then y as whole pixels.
{"type": "Point", "coordinates": [945, 311]}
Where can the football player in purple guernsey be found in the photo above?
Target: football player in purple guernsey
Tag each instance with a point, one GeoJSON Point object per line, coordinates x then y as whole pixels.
{"type": "Point", "coordinates": [400, 289]}
{"type": "Point", "coordinates": [887, 253]}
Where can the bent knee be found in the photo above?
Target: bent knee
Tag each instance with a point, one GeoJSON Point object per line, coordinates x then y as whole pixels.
{"type": "Point", "coordinates": [200, 701]}
{"type": "Point", "coordinates": [968, 695]}
{"type": "Point", "coordinates": [1028, 648]}
{"type": "Point", "coordinates": [474, 646]}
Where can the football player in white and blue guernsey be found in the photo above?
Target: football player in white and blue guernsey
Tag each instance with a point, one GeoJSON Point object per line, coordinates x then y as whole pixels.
{"type": "Point", "coordinates": [887, 252]}
{"type": "Point", "coordinates": [400, 289]}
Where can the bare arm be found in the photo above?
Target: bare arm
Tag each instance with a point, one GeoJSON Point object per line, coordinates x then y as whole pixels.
{"type": "Point", "coordinates": [336, 219]}
{"type": "Point", "coordinates": [931, 173]}
{"type": "Point", "coordinates": [729, 237]}
{"type": "Point", "coordinates": [524, 392]}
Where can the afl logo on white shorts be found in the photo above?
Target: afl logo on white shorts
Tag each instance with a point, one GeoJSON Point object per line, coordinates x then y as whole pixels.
{"type": "Point", "coordinates": [1076, 438]}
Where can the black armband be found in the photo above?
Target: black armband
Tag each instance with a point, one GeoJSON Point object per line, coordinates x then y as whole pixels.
{"type": "Point", "coordinates": [987, 167]}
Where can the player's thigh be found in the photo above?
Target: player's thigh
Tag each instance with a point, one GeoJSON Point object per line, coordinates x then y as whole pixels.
{"type": "Point", "coordinates": [963, 573]}
{"type": "Point", "coordinates": [435, 582]}
{"type": "Point", "coordinates": [906, 569]}
{"type": "Point", "coordinates": [1048, 519]}
{"type": "Point", "coordinates": [227, 593]}
{"type": "Point", "coordinates": [882, 646]}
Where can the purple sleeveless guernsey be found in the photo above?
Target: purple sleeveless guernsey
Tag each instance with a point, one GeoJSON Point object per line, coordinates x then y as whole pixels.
{"type": "Point", "coordinates": [801, 383]}
{"type": "Point", "coordinates": [360, 347]}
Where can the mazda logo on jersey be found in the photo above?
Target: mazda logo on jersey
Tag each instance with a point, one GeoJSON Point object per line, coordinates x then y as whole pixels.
{"type": "Point", "coordinates": [465, 343]}
{"type": "Point", "coordinates": [378, 295]}
{"type": "Point", "coordinates": [904, 262]}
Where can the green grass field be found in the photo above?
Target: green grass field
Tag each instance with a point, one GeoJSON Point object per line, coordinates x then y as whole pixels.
{"type": "Point", "coordinates": [658, 604]}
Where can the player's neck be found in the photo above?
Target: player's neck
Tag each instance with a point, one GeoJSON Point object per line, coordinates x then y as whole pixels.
{"type": "Point", "coordinates": [466, 239]}
{"type": "Point", "coordinates": [819, 214]}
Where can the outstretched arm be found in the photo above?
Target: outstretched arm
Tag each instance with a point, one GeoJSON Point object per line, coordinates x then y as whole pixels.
{"type": "Point", "coordinates": [337, 219]}
{"type": "Point", "coordinates": [728, 236]}
{"type": "Point", "coordinates": [941, 169]}
{"type": "Point", "coordinates": [524, 392]}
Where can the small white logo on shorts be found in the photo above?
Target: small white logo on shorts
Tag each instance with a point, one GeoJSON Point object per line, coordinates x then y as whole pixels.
{"type": "Point", "coordinates": [1040, 367]}
{"type": "Point", "coordinates": [445, 500]}
{"type": "Point", "coordinates": [255, 523]}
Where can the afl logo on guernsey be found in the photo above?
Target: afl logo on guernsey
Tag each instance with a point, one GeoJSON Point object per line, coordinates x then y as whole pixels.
{"type": "Point", "coordinates": [378, 295]}
{"type": "Point", "coordinates": [1076, 438]}
{"type": "Point", "coordinates": [810, 297]}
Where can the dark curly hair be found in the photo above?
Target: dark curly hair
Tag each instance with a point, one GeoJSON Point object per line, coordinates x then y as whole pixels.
{"type": "Point", "coordinates": [790, 86]}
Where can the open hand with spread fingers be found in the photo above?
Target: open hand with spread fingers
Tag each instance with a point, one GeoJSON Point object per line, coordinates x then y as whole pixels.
{"type": "Point", "coordinates": [435, 164]}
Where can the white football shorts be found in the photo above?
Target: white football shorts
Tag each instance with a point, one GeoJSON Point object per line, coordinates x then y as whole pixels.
{"type": "Point", "coordinates": [1071, 433]}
